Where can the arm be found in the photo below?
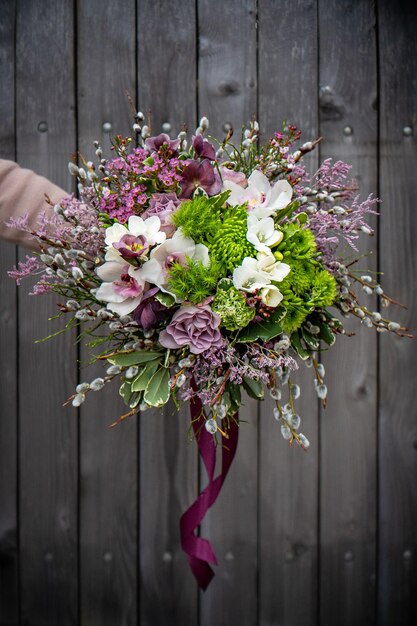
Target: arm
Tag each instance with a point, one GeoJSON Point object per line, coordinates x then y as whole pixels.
{"type": "Point", "coordinates": [23, 192]}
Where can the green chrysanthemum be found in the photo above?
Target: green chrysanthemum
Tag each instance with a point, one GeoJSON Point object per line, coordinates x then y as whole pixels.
{"type": "Point", "coordinates": [232, 308]}
{"type": "Point", "coordinates": [229, 244]}
{"type": "Point", "coordinates": [324, 291]}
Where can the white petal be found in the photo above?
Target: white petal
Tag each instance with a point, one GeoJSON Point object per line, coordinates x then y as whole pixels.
{"type": "Point", "coordinates": [281, 194]}
{"type": "Point", "coordinates": [266, 226]}
{"type": "Point", "coordinates": [114, 255]}
{"type": "Point", "coordinates": [271, 295]}
{"type": "Point", "coordinates": [259, 181]}
{"type": "Point", "coordinates": [252, 221]}
{"type": "Point", "coordinates": [281, 270]}
{"type": "Point", "coordinates": [201, 253]}
{"type": "Point", "coordinates": [115, 233]}
{"type": "Point", "coordinates": [250, 263]}
{"type": "Point", "coordinates": [248, 279]}
{"type": "Point", "coordinates": [136, 225]}
{"type": "Point", "coordinates": [110, 271]}
{"type": "Point", "coordinates": [152, 224]}
{"type": "Point", "coordinates": [152, 272]}
{"type": "Point", "coordinates": [238, 195]}
{"type": "Point", "coordinates": [136, 273]}
{"type": "Point", "coordinates": [106, 293]}
{"type": "Point", "coordinates": [262, 211]}
{"type": "Point", "coordinates": [159, 237]}
{"type": "Point", "coordinates": [125, 307]}
{"type": "Point", "coordinates": [273, 239]}
{"type": "Point", "coordinates": [253, 239]}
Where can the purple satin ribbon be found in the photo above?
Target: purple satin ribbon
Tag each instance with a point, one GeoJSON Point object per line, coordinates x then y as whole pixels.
{"type": "Point", "coordinates": [198, 550]}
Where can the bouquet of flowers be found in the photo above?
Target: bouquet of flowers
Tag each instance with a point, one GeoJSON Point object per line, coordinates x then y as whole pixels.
{"type": "Point", "coordinates": [199, 269]}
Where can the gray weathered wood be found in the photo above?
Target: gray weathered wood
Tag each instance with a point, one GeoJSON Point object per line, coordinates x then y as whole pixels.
{"type": "Point", "coordinates": [288, 476]}
{"type": "Point", "coordinates": [168, 466]}
{"type": "Point", "coordinates": [108, 458]}
{"type": "Point", "coordinates": [48, 433]}
{"type": "Point", "coordinates": [348, 95]}
{"type": "Point", "coordinates": [278, 504]}
{"type": "Point", "coordinates": [9, 608]}
{"type": "Point", "coordinates": [227, 94]}
{"type": "Point", "coordinates": [397, 554]}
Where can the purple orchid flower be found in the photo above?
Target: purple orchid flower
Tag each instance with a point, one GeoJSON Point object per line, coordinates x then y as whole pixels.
{"type": "Point", "coordinates": [203, 148]}
{"type": "Point", "coordinates": [199, 174]}
{"type": "Point", "coordinates": [149, 312]}
{"type": "Point", "coordinates": [131, 247]}
{"type": "Point", "coordinates": [154, 144]}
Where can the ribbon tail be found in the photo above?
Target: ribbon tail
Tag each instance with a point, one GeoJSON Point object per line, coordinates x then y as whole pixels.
{"type": "Point", "coordinates": [198, 550]}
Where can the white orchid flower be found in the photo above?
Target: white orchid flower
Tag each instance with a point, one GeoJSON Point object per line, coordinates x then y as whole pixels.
{"type": "Point", "coordinates": [275, 270]}
{"type": "Point", "coordinates": [176, 249]}
{"type": "Point", "coordinates": [271, 295]}
{"type": "Point", "coordinates": [262, 233]}
{"type": "Point", "coordinates": [122, 288]}
{"type": "Point", "coordinates": [262, 198]}
{"type": "Point", "coordinates": [149, 229]}
{"type": "Point", "coordinates": [247, 277]}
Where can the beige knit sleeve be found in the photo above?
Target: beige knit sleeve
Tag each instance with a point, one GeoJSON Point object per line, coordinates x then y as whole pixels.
{"type": "Point", "coordinates": [23, 192]}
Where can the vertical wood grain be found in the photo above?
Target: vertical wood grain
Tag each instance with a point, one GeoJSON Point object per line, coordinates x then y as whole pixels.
{"type": "Point", "coordinates": [227, 84]}
{"type": "Point", "coordinates": [288, 476]}
{"type": "Point", "coordinates": [108, 458]}
{"type": "Point", "coordinates": [166, 34]}
{"type": "Point", "coordinates": [397, 558]}
{"type": "Point", "coordinates": [48, 433]}
{"type": "Point", "coordinates": [9, 609]}
{"type": "Point", "coordinates": [348, 95]}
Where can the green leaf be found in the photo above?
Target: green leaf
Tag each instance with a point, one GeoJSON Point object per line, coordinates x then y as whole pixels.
{"type": "Point", "coordinates": [298, 347]}
{"type": "Point", "coordinates": [127, 359]}
{"type": "Point", "coordinates": [225, 284]}
{"type": "Point", "coordinates": [286, 212]}
{"type": "Point", "coordinates": [165, 298]}
{"type": "Point", "coordinates": [157, 390]}
{"type": "Point", "coordinates": [334, 320]}
{"type": "Point", "coordinates": [126, 392]}
{"type": "Point", "coordinates": [254, 388]}
{"type": "Point", "coordinates": [279, 312]}
{"type": "Point", "coordinates": [302, 217]}
{"type": "Point", "coordinates": [260, 330]}
{"type": "Point", "coordinates": [311, 341]}
{"type": "Point", "coordinates": [235, 395]}
{"type": "Point", "coordinates": [326, 334]}
{"type": "Point", "coordinates": [218, 202]}
{"type": "Point", "coordinates": [141, 380]}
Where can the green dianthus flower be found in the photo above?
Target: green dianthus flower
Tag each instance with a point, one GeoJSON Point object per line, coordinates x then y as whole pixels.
{"type": "Point", "coordinates": [297, 243]}
{"type": "Point", "coordinates": [231, 306]}
{"type": "Point", "coordinates": [297, 310]}
{"type": "Point", "coordinates": [301, 276]}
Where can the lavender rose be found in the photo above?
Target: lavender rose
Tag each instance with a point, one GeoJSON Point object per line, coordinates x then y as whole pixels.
{"type": "Point", "coordinates": [163, 205]}
{"type": "Point", "coordinates": [193, 326]}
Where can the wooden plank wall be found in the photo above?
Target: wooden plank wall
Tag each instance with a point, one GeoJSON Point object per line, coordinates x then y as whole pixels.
{"type": "Point", "coordinates": [89, 517]}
